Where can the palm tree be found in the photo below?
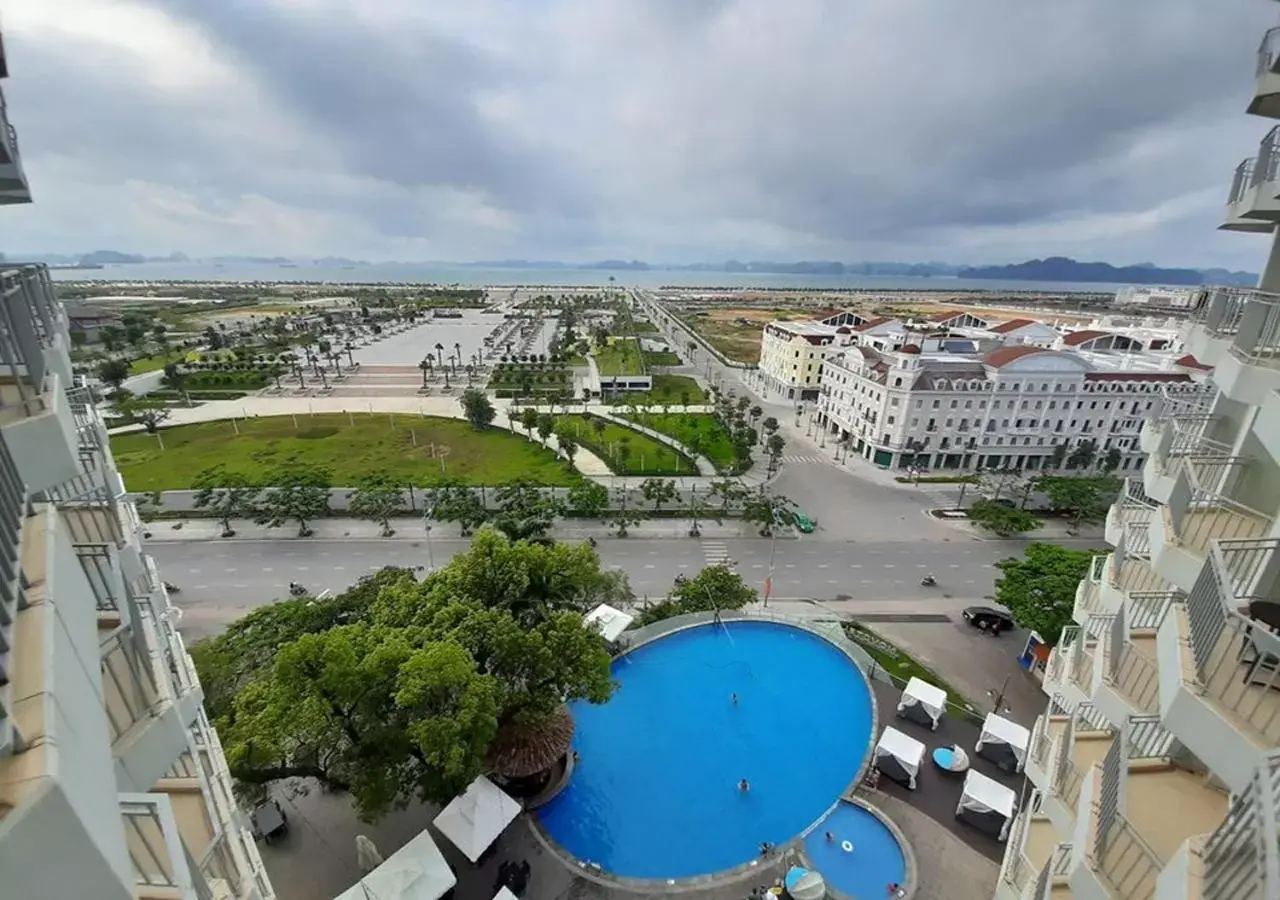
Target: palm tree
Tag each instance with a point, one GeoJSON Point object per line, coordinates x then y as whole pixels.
{"type": "Point", "coordinates": [348, 346]}
{"type": "Point", "coordinates": [440, 353]}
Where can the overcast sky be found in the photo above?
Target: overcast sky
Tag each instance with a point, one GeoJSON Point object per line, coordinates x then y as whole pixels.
{"type": "Point", "coordinates": [679, 130]}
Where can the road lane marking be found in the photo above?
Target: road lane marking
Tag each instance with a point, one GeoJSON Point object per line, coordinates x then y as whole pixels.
{"type": "Point", "coordinates": [649, 566]}
{"type": "Point", "coordinates": [888, 565]}
{"type": "Point", "coordinates": [267, 569]}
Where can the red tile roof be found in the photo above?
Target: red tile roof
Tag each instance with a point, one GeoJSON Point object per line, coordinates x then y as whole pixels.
{"type": "Point", "coordinates": [1012, 325]}
{"type": "Point", "coordinates": [1190, 362]}
{"type": "Point", "coordinates": [1137, 376]}
{"type": "Point", "coordinates": [946, 315]}
{"type": "Point", "coordinates": [872, 323]}
{"type": "Point", "coordinates": [1005, 355]}
{"type": "Point", "coordinates": [1076, 338]}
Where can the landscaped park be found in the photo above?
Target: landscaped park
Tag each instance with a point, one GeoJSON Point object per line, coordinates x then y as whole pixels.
{"type": "Point", "coordinates": [408, 448]}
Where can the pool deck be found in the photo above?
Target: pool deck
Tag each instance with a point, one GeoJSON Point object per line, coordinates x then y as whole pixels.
{"type": "Point", "coordinates": [937, 793]}
{"type": "Point", "coordinates": [954, 860]}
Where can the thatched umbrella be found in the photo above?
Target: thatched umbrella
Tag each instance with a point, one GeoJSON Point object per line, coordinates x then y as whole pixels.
{"type": "Point", "coordinates": [519, 751]}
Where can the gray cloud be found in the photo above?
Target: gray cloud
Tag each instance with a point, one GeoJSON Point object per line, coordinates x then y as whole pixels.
{"type": "Point", "coordinates": [675, 130]}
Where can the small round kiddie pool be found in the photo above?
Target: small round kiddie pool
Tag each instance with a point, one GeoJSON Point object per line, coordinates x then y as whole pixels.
{"type": "Point", "coordinates": [656, 792]}
{"type": "Point", "coordinates": [863, 856]}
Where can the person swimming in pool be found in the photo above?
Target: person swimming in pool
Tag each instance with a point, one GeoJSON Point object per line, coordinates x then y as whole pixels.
{"type": "Point", "coordinates": [733, 698]}
{"type": "Point", "coordinates": [744, 785]}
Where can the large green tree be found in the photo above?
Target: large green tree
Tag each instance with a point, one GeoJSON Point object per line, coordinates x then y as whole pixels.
{"type": "Point", "coordinates": [295, 492]}
{"type": "Point", "coordinates": [1000, 519]}
{"type": "Point", "coordinates": [377, 498]}
{"type": "Point", "coordinates": [714, 588]}
{"type": "Point", "coordinates": [1082, 498]}
{"type": "Point", "coordinates": [1040, 588]}
{"type": "Point", "coordinates": [398, 690]}
{"type": "Point", "coordinates": [226, 495]}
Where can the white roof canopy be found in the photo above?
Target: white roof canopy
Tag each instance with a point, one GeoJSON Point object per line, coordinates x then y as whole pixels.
{"type": "Point", "coordinates": [987, 795]}
{"type": "Point", "coordinates": [417, 871]}
{"type": "Point", "coordinates": [474, 819]}
{"type": "Point", "coordinates": [908, 752]}
{"type": "Point", "coordinates": [931, 699]}
{"type": "Point", "coordinates": [997, 729]}
{"type": "Point", "coordinates": [611, 622]}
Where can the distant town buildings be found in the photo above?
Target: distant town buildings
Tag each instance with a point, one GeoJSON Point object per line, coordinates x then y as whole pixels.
{"type": "Point", "coordinates": [959, 391]}
{"type": "Point", "coordinates": [1183, 299]}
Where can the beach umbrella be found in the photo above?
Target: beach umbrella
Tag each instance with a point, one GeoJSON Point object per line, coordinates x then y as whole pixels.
{"type": "Point", "coordinates": [803, 884]}
{"type": "Point", "coordinates": [367, 854]}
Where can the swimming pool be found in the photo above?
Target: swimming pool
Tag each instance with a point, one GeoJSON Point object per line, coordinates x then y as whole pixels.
{"type": "Point", "coordinates": [655, 793]}
{"type": "Point", "coordinates": [876, 860]}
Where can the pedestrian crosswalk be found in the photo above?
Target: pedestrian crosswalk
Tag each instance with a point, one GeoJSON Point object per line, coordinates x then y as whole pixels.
{"type": "Point", "coordinates": [716, 553]}
{"type": "Point", "coordinates": [804, 458]}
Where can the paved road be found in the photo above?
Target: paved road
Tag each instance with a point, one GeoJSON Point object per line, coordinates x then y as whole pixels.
{"type": "Point", "coordinates": [221, 581]}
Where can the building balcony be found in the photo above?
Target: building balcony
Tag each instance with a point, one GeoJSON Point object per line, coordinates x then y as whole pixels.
{"type": "Point", "coordinates": [1241, 858]}
{"type": "Point", "coordinates": [1089, 600]}
{"type": "Point", "coordinates": [1031, 849]}
{"type": "Point", "coordinates": [160, 865]}
{"type": "Point", "coordinates": [1250, 369]}
{"type": "Point", "coordinates": [1083, 744]}
{"type": "Point", "coordinates": [1180, 438]}
{"type": "Point", "coordinates": [1217, 321]}
{"type": "Point", "coordinates": [1266, 89]}
{"type": "Point", "coordinates": [1142, 807]}
{"type": "Point", "coordinates": [1130, 682]}
{"type": "Point", "coordinates": [1048, 727]}
{"type": "Point", "coordinates": [13, 181]}
{"type": "Point", "coordinates": [58, 776]}
{"type": "Point", "coordinates": [1173, 405]}
{"type": "Point", "coordinates": [1133, 506]}
{"type": "Point", "coordinates": [1203, 508]}
{"type": "Point", "coordinates": [1219, 669]}
{"type": "Point", "coordinates": [1234, 218]}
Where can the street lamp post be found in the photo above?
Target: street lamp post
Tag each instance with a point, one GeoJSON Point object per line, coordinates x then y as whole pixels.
{"type": "Point", "coordinates": [431, 559]}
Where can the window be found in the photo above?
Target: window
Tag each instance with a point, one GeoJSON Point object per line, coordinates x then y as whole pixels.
{"type": "Point", "coordinates": [897, 382]}
{"type": "Point", "coordinates": [893, 401]}
{"type": "Point", "coordinates": [968, 404]}
{"type": "Point", "coordinates": [935, 404]}
{"type": "Point", "coordinates": [915, 421]}
{"type": "Point", "coordinates": [889, 421]}
{"type": "Point", "coordinates": [1004, 423]}
{"type": "Point", "coordinates": [954, 403]}
{"type": "Point", "coordinates": [949, 422]}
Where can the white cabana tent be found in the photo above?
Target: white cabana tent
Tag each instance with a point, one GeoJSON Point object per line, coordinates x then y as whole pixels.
{"type": "Point", "coordinates": [474, 819]}
{"type": "Point", "coordinates": [504, 893]}
{"type": "Point", "coordinates": [611, 622]}
{"type": "Point", "coordinates": [417, 871]}
{"type": "Point", "coordinates": [922, 702]}
{"type": "Point", "coordinates": [987, 804]}
{"type": "Point", "coordinates": [899, 756]}
{"type": "Point", "coordinates": [1004, 743]}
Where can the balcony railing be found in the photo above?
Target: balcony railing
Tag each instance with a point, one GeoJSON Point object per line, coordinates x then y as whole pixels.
{"type": "Point", "coordinates": [1067, 778]}
{"type": "Point", "coordinates": [1202, 507]}
{"type": "Point", "coordinates": [129, 683]}
{"type": "Point", "coordinates": [1268, 52]}
{"type": "Point", "coordinates": [1268, 165]}
{"type": "Point", "coordinates": [1257, 335]}
{"type": "Point", "coordinates": [1242, 180]}
{"type": "Point", "coordinates": [1130, 671]}
{"type": "Point", "coordinates": [1173, 404]}
{"type": "Point", "coordinates": [1221, 313]}
{"type": "Point", "coordinates": [13, 584]}
{"type": "Point", "coordinates": [155, 848]}
{"type": "Point", "coordinates": [1122, 857]}
{"type": "Point", "coordinates": [1237, 661]}
{"type": "Point", "coordinates": [1242, 857]}
{"type": "Point", "coordinates": [1018, 871]}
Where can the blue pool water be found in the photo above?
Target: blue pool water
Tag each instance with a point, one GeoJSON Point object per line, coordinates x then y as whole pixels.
{"type": "Point", "coordinates": [655, 793]}
{"type": "Point", "coordinates": [875, 862]}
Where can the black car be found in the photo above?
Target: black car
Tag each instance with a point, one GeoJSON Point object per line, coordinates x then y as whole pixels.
{"type": "Point", "coordinates": [988, 618]}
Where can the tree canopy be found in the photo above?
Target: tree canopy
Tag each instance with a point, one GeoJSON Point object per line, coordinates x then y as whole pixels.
{"type": "Point", "coordinates": [1040, 588]}
{"type": "Point", "coordinates": [398, 689]}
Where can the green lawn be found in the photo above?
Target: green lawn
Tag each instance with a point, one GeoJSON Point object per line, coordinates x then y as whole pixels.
{"type": "Point", "coordinates": [621, 356]}
{"type": "Point", "coordinates": [661, 358]}
{"type": "Point", "coordinates": [667, 390]}
{"type": "Point", "coordinates": [146, 364]}
{"type": "Point", "coordinates": [715, 443]}
{"type": "Point", "coordinates": [404, 451]}
{"type": "Point", "coordinates": [647, 457]}
{"type": "Point", "coordinates": [643, 326]}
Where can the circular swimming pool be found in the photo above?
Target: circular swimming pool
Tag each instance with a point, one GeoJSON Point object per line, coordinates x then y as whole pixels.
{"type": "Point", "coordinates": [862, 857]}
{"type": "Point", "coordinates": [656, 792]}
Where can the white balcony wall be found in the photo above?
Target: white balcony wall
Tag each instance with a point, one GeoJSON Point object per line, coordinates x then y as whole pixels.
{"type": "Point", "coordinates": [44, 443]}
{"type": "Point", "coordinates": [64, 779]}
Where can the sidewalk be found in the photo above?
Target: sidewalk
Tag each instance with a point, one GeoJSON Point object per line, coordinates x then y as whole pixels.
{"type": "Point", "coordinates": [411, 529]}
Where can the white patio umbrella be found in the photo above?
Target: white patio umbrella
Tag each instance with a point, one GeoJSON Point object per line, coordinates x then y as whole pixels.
{"type": "Point", "coordinates": [474, 819]}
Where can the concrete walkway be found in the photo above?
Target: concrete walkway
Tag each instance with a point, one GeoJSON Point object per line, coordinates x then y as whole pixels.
{"type": "Point", "coordinates": [705, 468]}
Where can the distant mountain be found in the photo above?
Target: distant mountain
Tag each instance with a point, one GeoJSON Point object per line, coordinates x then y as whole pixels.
{"type": "Point", "coordinates": [617, 265]}
{"type": "Point", "coordinates": [108, 257]}
{"type": "Point", "coordinates": [1060, 268]}
{"type": "Point", "coordinates": [1226, 276]}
